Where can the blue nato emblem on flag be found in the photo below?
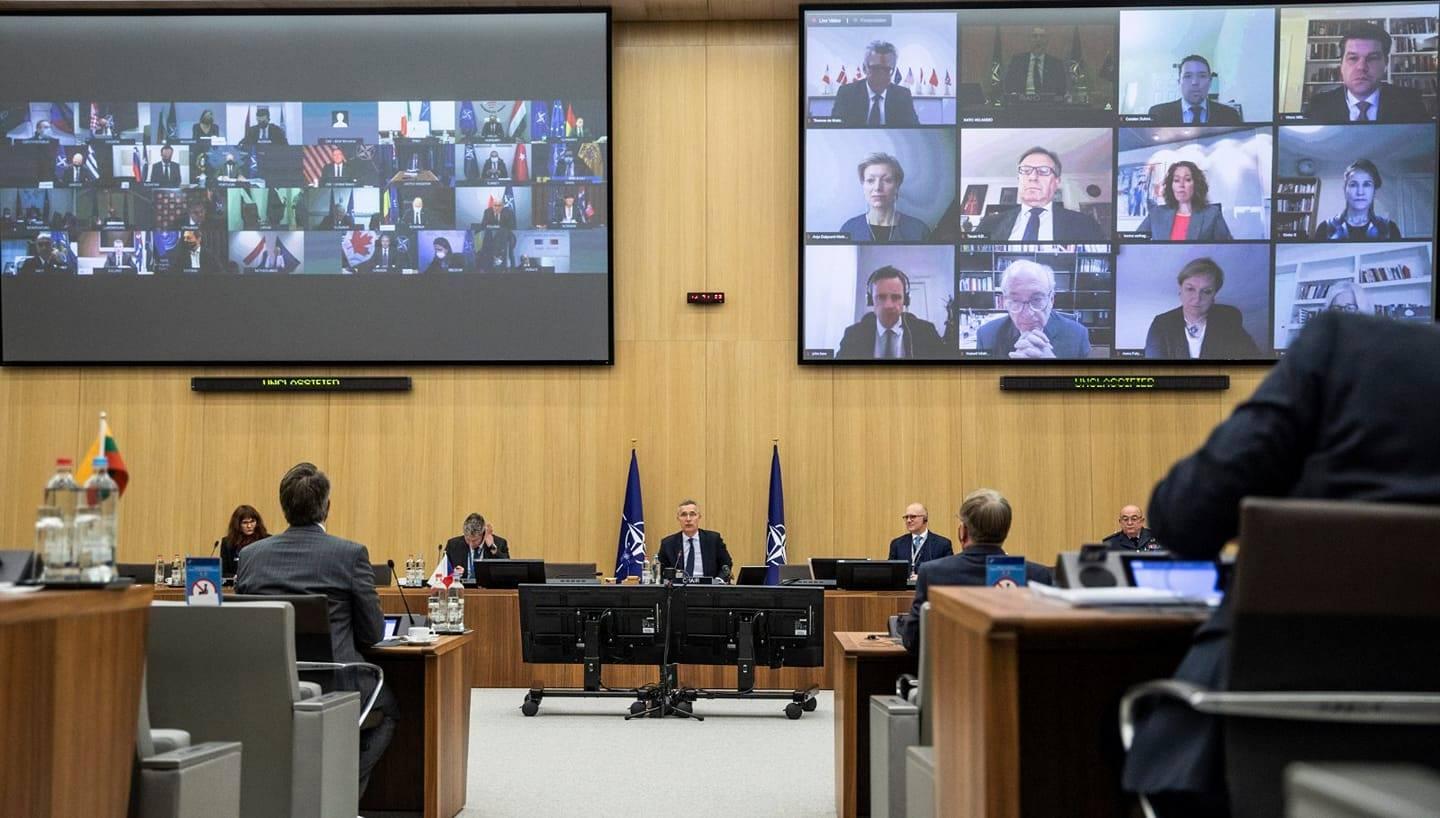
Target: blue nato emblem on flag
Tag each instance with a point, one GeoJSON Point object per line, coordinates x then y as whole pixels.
{"type": "Point", "coordinates": [630, 550]}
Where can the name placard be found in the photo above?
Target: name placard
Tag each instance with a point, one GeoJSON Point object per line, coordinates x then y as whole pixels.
{"type": "Point", "coordinates": [302, 383]}
{"type": "Point", "coordinates": [1114, 383]}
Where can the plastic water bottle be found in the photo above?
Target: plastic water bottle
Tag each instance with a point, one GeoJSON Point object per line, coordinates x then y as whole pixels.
{"type": "Point", "coordinates": [645, 571]}
{"type": "Point", "coordinates": [434, 609]}
{"type": "Point", "coordinates": [96, 517]}
{"type": "Point", "coordinates": [52, 546]}
{"type": "Point", "coordinates": [177, 571]}
{"type": "Point", "coordinates": [61, 490]}
{"type": "Point", "coordinates": [456, 610]}
{"type": "Point", "coordinates": [159, 569]}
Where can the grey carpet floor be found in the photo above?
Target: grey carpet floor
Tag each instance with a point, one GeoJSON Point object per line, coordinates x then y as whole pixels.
{"type": "Point", "coordinates": [577, 757]}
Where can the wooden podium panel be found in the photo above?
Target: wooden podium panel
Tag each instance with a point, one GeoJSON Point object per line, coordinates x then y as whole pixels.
{"type": "Point", "coordinates": [867, 667]}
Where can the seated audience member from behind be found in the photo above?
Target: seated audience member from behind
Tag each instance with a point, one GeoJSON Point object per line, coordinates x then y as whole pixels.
{"type": "Point", "coordinates": [1033, 328]}
{"type": "Point", "coordinates": [1362, 97]}
{"type": "Point", "coordinates": [889, 331]}
{"type": "Point", "coordinates": [306, 559]}
{"type": "Point", "coordinates": [693, 550]}
{"type": "Point", "coordinates": [919, 544]}
{"type": "Point", "coordinates": [245, 528]}
{"type": "Point", "coordinates": [1200, 328]}
{"type": "Point", "coordinates": [880, 179]}
{"type": "Point", "coordinates": [1194, 107]}
{"type": "Point", "coordinates": [476, 542]}
{"type": "Point", "coordinates": [984, 525]}
{"type": "Point", "coordinates": [1334, 420]}
{"type": "Point", "coordinates": [1359, 221]}
{"type": "Point", "coordinates": [1039, 217]}
{"type": "Point", "coordinates": [878, 101]}
{"type": "Point", "coordinates": [1187, 214]}
{"type": "Point", "coordinates": [1133, 535]}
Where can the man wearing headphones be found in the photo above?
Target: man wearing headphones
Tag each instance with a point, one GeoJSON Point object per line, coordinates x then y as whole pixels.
{"type": "Point", "coordinates": [889, 331]}
{"type": "Point", "coordinates": [919, 544]}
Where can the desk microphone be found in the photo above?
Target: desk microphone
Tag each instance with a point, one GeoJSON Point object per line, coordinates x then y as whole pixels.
{"type": "Point", "coordinates": [409, 617]}
{"type": "Point", "coordinates": [214, 548]}
{"type": "Point", "coordinates": [725, 574]}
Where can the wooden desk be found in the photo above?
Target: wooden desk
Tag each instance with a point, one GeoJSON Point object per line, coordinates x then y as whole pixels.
{"type": "Point", "coordinates": [69, 700]}
{"type": "Point", "coordinates": [867, 667]}
{"type": "Point", "coordinates": [1026, 713]}
{"type": "Point", "coordinates": [425, 766]}
{"type": "Point", "coordinates": [495, 618]}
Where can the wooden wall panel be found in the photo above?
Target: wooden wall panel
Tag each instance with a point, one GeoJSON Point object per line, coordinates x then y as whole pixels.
{"type": "Point", "coordinates": [706, 195]}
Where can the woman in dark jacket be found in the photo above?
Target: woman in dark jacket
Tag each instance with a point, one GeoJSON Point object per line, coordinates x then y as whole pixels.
{"type": "Point", "coordinates": [245, 528]}
{"type": "Point", "coordinates": [1200, 328]}
{"type": "Point", "coordinates": [1359, 221]}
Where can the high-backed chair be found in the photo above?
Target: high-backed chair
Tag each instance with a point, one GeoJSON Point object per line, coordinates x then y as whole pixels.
{"type": "Point", "coordinates": [1333, 644]}
{"type": "Point", "coordinates": [382, 574]}
{"type": "Point", "coordinates": [894, 729]}
{"type": "Point", "coordinates": [175, 779]}
{"type": "Point", "coordinates": [228, 673]}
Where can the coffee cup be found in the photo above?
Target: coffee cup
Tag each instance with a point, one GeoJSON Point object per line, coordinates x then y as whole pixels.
{"type": "Point", "coordinates": [420, 633]}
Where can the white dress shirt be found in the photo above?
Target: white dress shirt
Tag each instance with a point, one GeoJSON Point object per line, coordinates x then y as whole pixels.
{"type": "Point", "coordinates": [1195, 337]}
{"type": "Point", "coordinates": [1047, 223]}
{"type": "Point", "coordinates": [898, 329]}
{"type": "Point", "coordinates": [687, 542]}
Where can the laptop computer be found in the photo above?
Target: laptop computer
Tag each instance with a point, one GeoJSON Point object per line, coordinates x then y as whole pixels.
{"type": "Point", "coordinates": [751, 575]}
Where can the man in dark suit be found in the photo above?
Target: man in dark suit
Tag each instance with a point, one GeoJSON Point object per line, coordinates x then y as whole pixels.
{"type": "Point", "coordinates": [336, 171]}
{"type": "Point", "coordinates": [1334, 419]}
{"type": "Point", "coordinates": [115, 261]}
{"type": "Point", "coordinates": [264, 132]}
{"type": "Point", "coordinates": [192, 254]}
{"type": "Point", "coordinates": [878, 101]}
{"type": "Point", "coordinates": [1194, 106]}
{"type": "Point", "coordinates": [984, 525]}
{"type": "Point", "coordinates": [1045, 220]}
{"type": "Point", "coordinates": [76, 173]}
{"type": "Point", "coordinates": [1033, 328]}
{"type": "Point", "coordinates": [1133, 535]}
{"type": "Point", "coordinates": [919, 545]}
{"type": "Point", "coordinates": [49, 258]}
{"type": "Point", "coordinates": [889, 331]}
{"type": "Point", "coordinates": [166, 172]}
{"type": "Point", "coordinates": [388, 257]}
{"type": "Point", "coordinates": [494, 168]}
{"type": "Point", "coordinates": [476, 542]}
{"type": "Point", "coordinates": [1362, 97]}
{"type": "Point", "coordinates": [416, 216]}
{"type": "Point", "coordinates": [305, 559]}
{"type": "Point", "coordinates": [1035, 72]}
{"type": "Point", "coordinates": [695, 552]}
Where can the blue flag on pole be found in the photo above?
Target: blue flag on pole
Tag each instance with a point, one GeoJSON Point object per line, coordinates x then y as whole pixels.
{"type": "Point", "coordinates": [775, 523]}
{"type": "Point", "coordinates": [630, 551]}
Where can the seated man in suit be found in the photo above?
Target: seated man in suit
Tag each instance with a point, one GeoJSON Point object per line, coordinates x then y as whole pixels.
{"type": "Point", "coordinates": [1045, 220]}
{"type": "Point", "coordinates": [416, 216]}
{"type": "Point", "coordinates": [388, 257]}
{"type": "Point", "coordinates": [692, 550]}
{"type": "Point", "coordinates": [1133, 535]}
{"type": "Point", "coordinates": [192, 254]}
{"type": "Point", "coordinates": [1035, 72]}
{"type": "Point", "coordinates": [477, 541]}
{"type": "Point", "coordinates": [1362, 97]}
{"type": "Point", "coordinates": [264, 132]}
{"type": "Point", "coordinates": [889, 331]}
{"type": "Point", "coordinates": [336, 171]}
{"type": "Point", "coordinates": [1194, 106]}
{"type": "Point", "coordinates": [494, 168]}
{"type": "Point", "coordinates": [1333, 420]}
{"type": "Point", "coordinates": [76, 173]}
{"type": "Point", "coordinates": [50, 257]}
{"type": "Point", "coordinates": [115, 261]}
{"type": "Point", "coordinates": [306, 559]}
{"type": "Point", "coordinates": [878, 101]}
{"type": "Point", "coordinates": [166, 172]}
{"type": "Point", "coordinates": [1033, 329]}
{"type": "Point", "coordinates": [984, 525]}
{"type": "Point", "coordinates": [919, 545]}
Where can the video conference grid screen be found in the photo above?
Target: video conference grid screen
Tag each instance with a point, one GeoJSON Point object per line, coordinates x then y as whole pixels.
{"type": "Point", "coordinates": [1133, 183]}
{"type": "Point", "coordinates": [338, 187]}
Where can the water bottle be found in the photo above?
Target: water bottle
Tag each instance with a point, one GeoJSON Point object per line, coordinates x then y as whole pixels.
{"type": "Point", "coordinates": [159, 569]}
{"type": "Point", "coordinates": [61, 490]}
{"type": "Point", "coordinates": [434, 610]}
{"type": "Point", "coordinates": [62, 494]}
{"type": "Point", "coordinates": [96, 523]}
{"type": "Point", "coordinates": [177, 572]}
{"type": "Point", "coordinates": [456, 611]}
{"type": "Point", "coordinates": [655, 572]}
{"type": "Point", "coordinates": [52, 546]}
{"type": "Point", "coordinates": [420, 576]}
{"type": "Point", "coordinates": [645, 571]}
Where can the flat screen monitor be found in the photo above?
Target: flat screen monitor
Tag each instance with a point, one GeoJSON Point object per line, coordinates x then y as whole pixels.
{"type": "Point", "coordinates": [508, 573]}
{"type": "Point", "coordinates": [628, 618]}
{"type": "Point", "coordinates": [872, 575]}
{"type": "Point", "coordinates": [346, 186]}
{"type": "Point", "coordinates": [787, 625]}
{"type": "Point", "coordinates": [1187, 183]}
{"type": "Point", "coordinates": [1195, 578]}
{"type": "Point", "coordinates": [823, 568]}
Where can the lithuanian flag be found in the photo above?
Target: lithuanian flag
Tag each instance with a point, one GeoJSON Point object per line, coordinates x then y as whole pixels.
{"type": "Point", "coordinates": [104, 444]}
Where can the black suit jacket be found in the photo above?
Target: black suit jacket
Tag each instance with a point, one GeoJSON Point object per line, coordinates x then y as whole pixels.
{"type": "Point", "coordinates": [712, 551]}
{"type": "Point", "coordinates": [1069, 226]}
{"type": "Point", "coordinates": [76, 176]}
{"type": "Point", "coordinates": [272, 133]}
{"type": "Point", "coordinates": [1225, 335]}
{"type": "Point", "coordinates": [1172, 113]}
{"type": "Point", "coordinates": [1397, 104]}
{"type": "Point", "coordinates": [398, 261]}
{"type": "Point", "coordinates": [1334, 419]}
{"type": "Point", "coordinates": [921, 341]}
{"type": "Point", "coordinates": [1145, 542]}
{"type": "Point", "coordinates": [346, 177]}
{"type": "Point", "coordinates": [178, 259]}
{"type": "Point", "coordinates": [165, 173]}
{"type": "Point", "coordinates": [852, 106]}
{"type": "Point", "coordinates": [455, 549]}
{"type": "Point", "coordinates": [1052, 76]}
{"type": "Point", "coordinates": [934, 548]}
{"type": "Point", "coordinates": [965, 568]}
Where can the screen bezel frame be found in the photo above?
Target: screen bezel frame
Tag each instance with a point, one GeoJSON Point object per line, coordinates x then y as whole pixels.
{"type": "Point", "coordinates": [961, 362]}
{"type": "Point", "coordinates": [108, 10]}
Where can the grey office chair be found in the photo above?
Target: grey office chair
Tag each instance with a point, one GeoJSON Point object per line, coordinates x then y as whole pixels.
{"type": "Point", "coordinates": [1332, 648]}
{"type": "Point", "coordinates": [894, 729]}
{"type": "Point", "coordinates": [228, 673]}
{"type": "Point", "coordinates": [175, 779]}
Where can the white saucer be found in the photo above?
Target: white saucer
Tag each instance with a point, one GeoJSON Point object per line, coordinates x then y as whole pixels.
{"type": "Point", "coordinates": [432, 640]}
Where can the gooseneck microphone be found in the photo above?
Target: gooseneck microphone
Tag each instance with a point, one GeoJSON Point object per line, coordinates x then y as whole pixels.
{"type": "Point", "coordinates": [214, 548]}
{"type": "Point", "coordinates": [409, 617]}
